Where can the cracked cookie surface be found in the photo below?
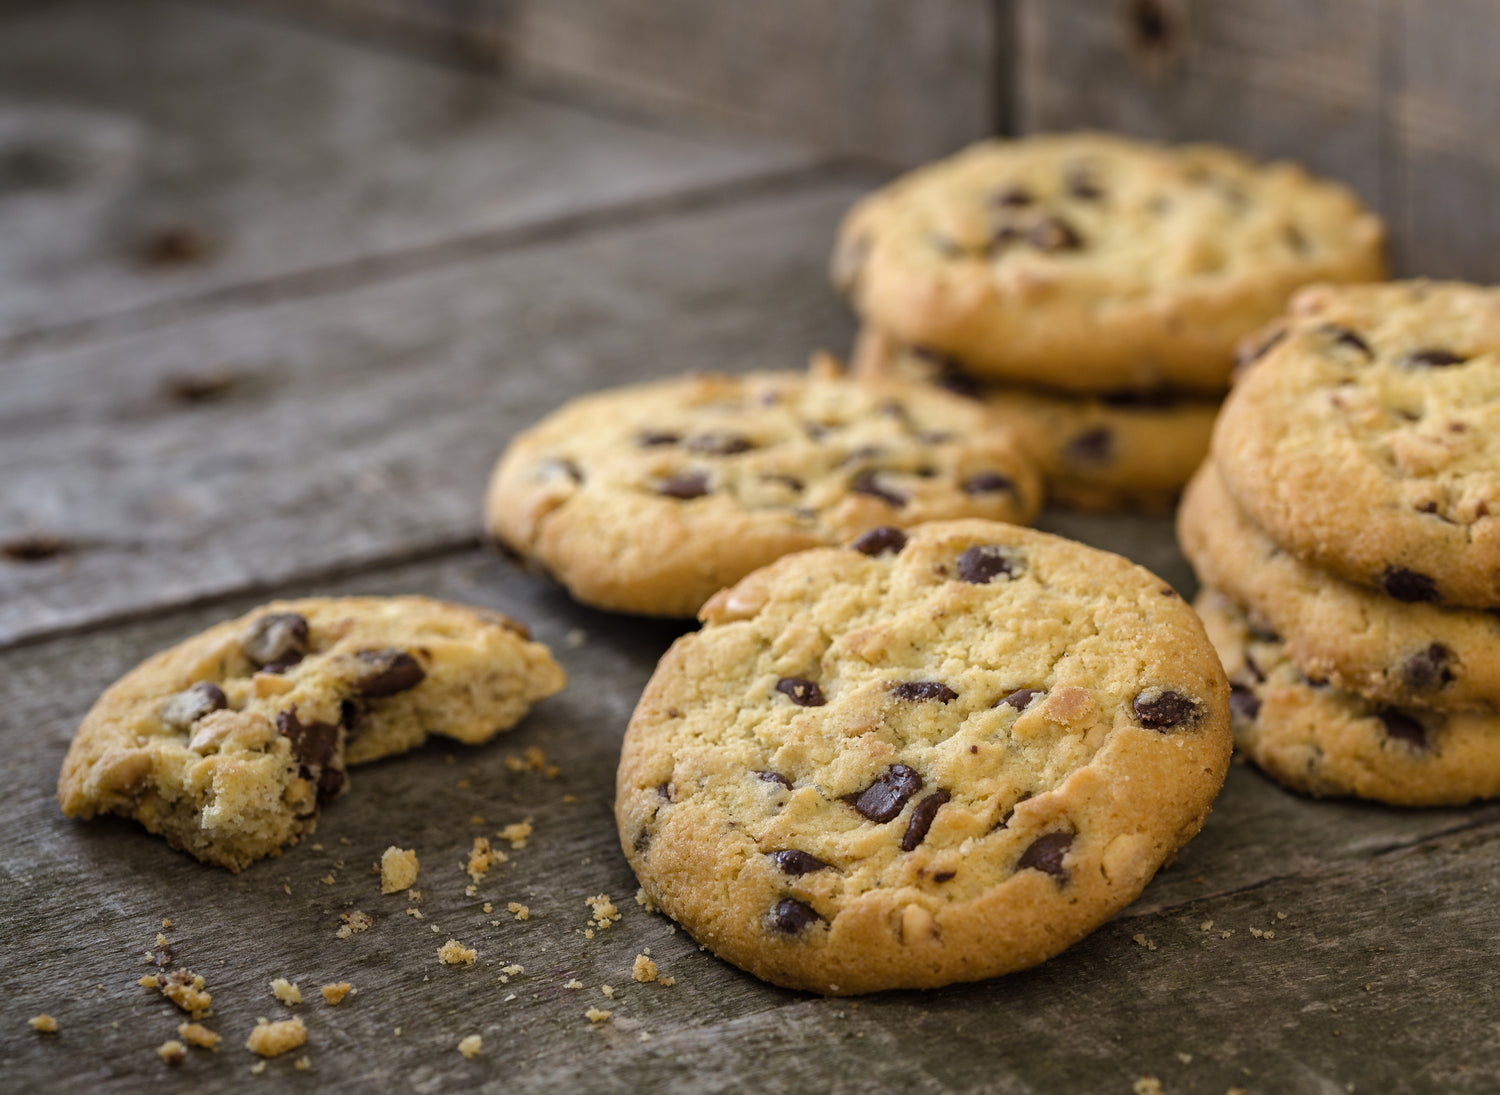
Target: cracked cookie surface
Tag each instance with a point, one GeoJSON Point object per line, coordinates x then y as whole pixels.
{"type": "Point", "coordinates": [929, 756]}
{"type": "Point", "coordinates": [1366, 438]}
{"type": "Point", "coordinates": [229, 743]}
{"type": "Point", "coordinates": [1323, 740]}
{"type": "Point", "coordinates": [1096, 263]}
{"type": "Point", "coordinates": [651, 498]}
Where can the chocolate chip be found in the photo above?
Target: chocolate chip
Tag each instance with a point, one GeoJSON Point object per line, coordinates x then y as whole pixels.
{"type": "Point", "coordinates": [1428, 669]}
{"type": "Point", "coordinates": [651, 439]}
{"type": "Point", "coordinates": [664, 792]}
{"type": "Point", "coordinates": [1046, 854]}
{"type": "Point", "coordinates": [330, 783]}
{"type": "Point", "coordinates": [34, 549]}
{"type": "Point", "coordinates": [1243, 702]}
{"type": "Point", "coordinates": [720, 444]}
{"type": "Point", "coordinates": [921, 819]}
{"type": "Point", "coordinates": [1013, 197]}
{"type": "Point", "coordinates": [1408, 586]}
{"type": "Point", "coordinates": [1154, 399]}
{"type": "Point", "coordinates": [1094, 446]}
{"type": "Point", "coordinates": [861, 455]}
{"type": "Point", "coordinates": [1295, 239]}
{"type": "Point", "coordinates": [984, 562]}
{"type": "Point", "coordinates": [878, 540]}
{"type": "Point", "coordinates": [1255, 669]}
{"type": "Point", "coordinates": [176, 245]}
{"type": "Point", "coordinates": [1003, 237]}
{"type": "Point", "coordinates": [312, 743]}
{"type": "Point", "coordinates": [775, 777]}
{"type": "Point", "coordinates": [802, 692]}
{"type": "Point", "coordinates": [1251, 351]}
{"type": "Point", "coordinates": [1342, 336]}
{"type": "Point", "coordinates": [795, 861]}
{"type": "Point", "coordinates": [885, 798]}
{"type": "Point", "coordinates": [388, 672]}
{"type": "Point", "coordinates": [1010, 812]}
{"type": "Point", "coordinates": [1434, 357]}
{"type": "Point", "coordinates": [690, 485]}
{"type": "Point", "coordinates": [277, 641]}
{"type": "Point", "coordinates": [1164, 709]}
{"type": "Point", "coordinates": [866, 483]}
{"type": "Point", "coordinates": [199, 387]}
{"type": "Point", "coordinates": [790, 916]}
{"type": "Point", "coordinates": [1054, 234]}
{"type": "Point", "coordinates": [1403, 727]}
{"type": "Point", "coordinates": [791, 482]}
{"type": "Point", "coordinates": [944, 876]}
{"type": "Point", "coordinates": [190, 705]}
{"type": "Point", "coordinates": [989, 482]}
{"type": "Point", "coordinates": [1083, 187]}
{"type": "Point", "coordinates": [1020, 698]}
{"type": "Point", "coordinates": [924, 690]}
{"type": "Point", "coordinates": [351, 718]}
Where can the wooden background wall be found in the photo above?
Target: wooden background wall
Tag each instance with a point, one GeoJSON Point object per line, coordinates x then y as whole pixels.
{"type": "Point", "coordinates": [1401, 98]}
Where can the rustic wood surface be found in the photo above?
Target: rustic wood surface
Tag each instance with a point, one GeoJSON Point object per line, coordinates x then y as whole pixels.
{"type": "Point", "coordinates": [345, 454]}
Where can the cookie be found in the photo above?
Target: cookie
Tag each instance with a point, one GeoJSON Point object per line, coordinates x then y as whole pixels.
{"type": "Point", "coordinates": [1094, 263]}
{"type": "Point", "coordinates": [1115, 451]}
{"type": "Point", "coordinates": [649, 499]}
{"type": "Point", "coordinates": [926, 757]}
{"type": "Point", "coordinates": [229, 743]}
{"type": "Point", "coordinates": [1366, 438]}
{"type": "Point", "coordinates": [1335, 631]}
{"type": "Point", "coordinates": [1323, 740]}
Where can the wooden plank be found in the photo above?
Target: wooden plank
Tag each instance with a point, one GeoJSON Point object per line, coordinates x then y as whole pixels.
{"type": "Point", "coordinates": [151, 151]}
{"type": "Point", "coordinates": [362, 425]}
{"type": "Point", "coordinates": [1279, 78]}
{"type": "Point", "coordinates": [1401, 901]}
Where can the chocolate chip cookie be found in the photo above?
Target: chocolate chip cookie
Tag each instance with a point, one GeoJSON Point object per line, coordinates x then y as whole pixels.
{"type": "Point", "coordinates": [1118, 451]}
{"type": "Point", "coordinates": [928, 756]}
{"type": "Point", "coordinates": [1324, 740]}
{"type": "Point", "coordinates": [1095, 263]}
{"type": "Point", "coordinates": [1366, 438]}
{"type": "Point", "coordinates": [1350, 636]}
{"type": "Point", "coordinates": [651, 498]}
{"type": "Point", "coordinates": [229, 743]}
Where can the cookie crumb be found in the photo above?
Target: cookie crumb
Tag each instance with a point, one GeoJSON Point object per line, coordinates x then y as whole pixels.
{"type": "Point", "coordinates": [597, 1015]}
{"type": "Point", "coordinates": [327, 880]}
{"type": "Point", "coordinates": [488, 907]}
{"type": "Point", "coordinates": [185, 989]}
{"type": "Point", "coordinates": [575, 638]}
{"type": "Point", "coordinates": [604, 910]}
{"type": "Point", "coordinates": [453, 953]}
{"type": "Point", "coordinates": [165, 924]}
{"type": "Point", "coordinates": [172, 1052]}
{"type": "Point", "coordinates": [415, 914]}
{"type": "Point", "coordinates": [482, 857]}
{"type": "Point", "coordinates": [644, 969]}
{"type": "Point", "coordinates": [570, 798]}
{"type": "Point", "coordinates": [644, 1036]}
{"type": "Point", "coordinates": [1281, 916]}
{"type": "Point", "coordinates": [270, 1039]}
{"type": "Point", "coordinates": [518, 910]}
{"type": "Point", "coordinates": [472, 1046]}
{"type": "Point", "coordinates": [257, 1068]}
{"type": "Point", "coordinates": [1141, 941]}
{"type": "Point", "coordinates": [336, 992]}
{"type": "Point", "coordinates": [516, 834]}
{"type": "Point", "coordinates": [1147, 1085]}
{"type": "Point", "coordinates": [398, 869]}
{"type": "Point", "coordinates": [1207, 925]}
{"type": "Point", "coordinates": [509, 998]}
{"type": "Point", "coordinates": [45, 1024]}
{"type": "Point", "coordinates": [196, 1034]}
{"type": "Point", "coordinates": [512, 970]}
{"type": "Point", "coordinates": [608, 990]}
{"type": "Point", "coordinates": [288, 993]}
{"type": "Point", "coordinates": [574, 984]}
{"type": "Point", "coordinates": [302, 1064]}
{"type": "Point", "coordinates": [354, 923]}
{"type": "Point", "coordinates": [643, 901]}
{"type": "Point", "coordinates": [1185, 1058]}
{"type": "Point", "coordinates": [150, 981]}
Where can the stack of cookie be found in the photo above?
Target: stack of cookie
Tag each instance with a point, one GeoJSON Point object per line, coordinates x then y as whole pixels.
{"type": "Point", "coordinates": [1347, 532]}
{"type": "Point", "coordinates": [1092, 288]}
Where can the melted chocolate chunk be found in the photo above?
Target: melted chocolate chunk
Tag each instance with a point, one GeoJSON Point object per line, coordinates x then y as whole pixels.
{"type": "Point", "coordinates": [1243, 702]}
{"type": "Point", "coordinates": [1094, 446]}
{"type": "Point", "coordinates": [190, 705]}
{"type": "Point", "coordinates": [878, 540]}
{"type": "Point", "coordinates": [650, 439]}
{"type": "Point", "coordinates": [802, 692]}
{"type": "Point", "coordinates": [1046, 854]}
{"type": "Point", "coordinates": [351, 718]}
{"type": "Point", "coordinates": [921, 819]}
{"type": "Point", "coordinates": [790, 916]}
{"type": "Point", "coordinates": [886, 797]}
{"type": "Point", "coordinates": [688, 485]}
{"type": "Point", "coordinates": [387, 672]}
{"type": "Point", "coordinates": [1010, 812]}
{"type": "Point", "coordinates": [983, 563]}
{"type": "Point", "coordinates": [1408, 586]}
{"type": "Point", "coordinates": [1157, 399]}
{"type": "Point", "coordinates": [1054, 234]}
{"type": "Point", "coordinates": [330, 783]}
{"type": "Point", "coordinates": [1433, 357]}
{"type": "Point", "coordinates": [664, 792]}
{"type": "Point", "coordinates": [1014, 197]}
{"type": "Point", "coordinates": [794, 861]}
{"type": "Point", "coordinates": [989, 482]}
{"type": "Point", "coordinates": [1020, 698]}
{"type": "Point", "coordinates": [1403, 727]}
{"type": "Point", "coordinates": [1164, 710]}
{"type": "Point", "coordinates": [313, 743]}
{"type": "Point", "coordinates": [924, 690]}
{"type": "Point", "coordinates": [866, 483]}
{"type": "Point", "coordinates": [277, 641]}
{"type": "Point", "coordinates": [775, 777]}
{"type": "Point", "coordinates": [1342, 336]}
{"type": "Point", "coordinates": [1428, 669]}
{"type": "Point", "coordinates": [944, 876]}
{"type": "Point", "coordinates": [721, 444]}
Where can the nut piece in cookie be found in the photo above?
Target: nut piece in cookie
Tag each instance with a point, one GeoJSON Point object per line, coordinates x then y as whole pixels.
{"type": "Point", "coordinates": [921, 758]}
{"type": "Point", "coordinates": [230, 743]}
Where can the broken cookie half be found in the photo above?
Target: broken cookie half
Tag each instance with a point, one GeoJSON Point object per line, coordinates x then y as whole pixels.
{"type": "Point", "coordinates": [229, 743]}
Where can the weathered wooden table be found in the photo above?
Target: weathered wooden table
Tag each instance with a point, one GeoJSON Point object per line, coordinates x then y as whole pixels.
{"type": "Point", "coordinates": [270, 306]}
